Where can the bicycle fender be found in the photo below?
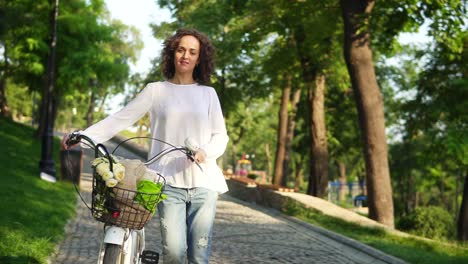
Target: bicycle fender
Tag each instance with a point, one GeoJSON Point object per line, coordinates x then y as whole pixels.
{"type": "Point", "coordinates": [114, 235]}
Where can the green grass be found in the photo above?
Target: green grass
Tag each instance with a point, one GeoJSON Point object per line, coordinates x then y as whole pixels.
{"type": "Point", "coordinates": [33, 212]}
{"type": "Point", "coordinates": [411, 249]}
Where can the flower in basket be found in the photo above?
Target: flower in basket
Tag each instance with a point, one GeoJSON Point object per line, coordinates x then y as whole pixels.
{"type": "Point", "coordinates": [102, 167]}
{"type": "Point", "coordinates": [111, 182]}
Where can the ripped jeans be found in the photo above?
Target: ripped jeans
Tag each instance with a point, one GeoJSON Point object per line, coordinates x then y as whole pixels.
{"type": "Point", "coordinates": [186, 218]}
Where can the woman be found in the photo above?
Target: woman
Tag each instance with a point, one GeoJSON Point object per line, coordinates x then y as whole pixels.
{"type": "Point", "coordinates": [181, 107]}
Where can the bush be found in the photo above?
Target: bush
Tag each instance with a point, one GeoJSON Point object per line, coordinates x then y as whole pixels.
{"type": "Point", "coordinates": [431, 222]}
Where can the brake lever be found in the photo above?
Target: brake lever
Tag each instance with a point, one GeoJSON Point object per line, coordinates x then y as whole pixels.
{"type": "Point", "coordinates": [191, 147]}
{"type": "Point", "coordinates": [190, 155]}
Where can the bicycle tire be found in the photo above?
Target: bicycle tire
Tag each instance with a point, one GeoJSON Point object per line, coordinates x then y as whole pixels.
{"type": "Point", "coordinates": [112, 254]}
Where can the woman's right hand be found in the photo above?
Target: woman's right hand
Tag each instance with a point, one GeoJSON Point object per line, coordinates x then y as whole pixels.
{"type": "Point", "coordinates": [65, 141]}
{"type": "Point", "coordinates": [65, 144]}
{"type": "Point", "coordinates": [200, 156]}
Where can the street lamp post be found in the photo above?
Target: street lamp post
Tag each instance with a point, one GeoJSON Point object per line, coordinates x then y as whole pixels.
{"type": "Point", "coordinates": [47, 165]}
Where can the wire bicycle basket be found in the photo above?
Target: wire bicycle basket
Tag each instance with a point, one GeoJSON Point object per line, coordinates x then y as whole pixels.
{"type": "Point", "coordinates": [121, 207]}
{"type": "Point", "coordinates": [122, 204]}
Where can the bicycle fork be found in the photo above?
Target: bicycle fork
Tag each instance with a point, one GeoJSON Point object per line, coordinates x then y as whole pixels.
{"type": "Point", "coordinates": [129, 242]}
{"type": "Point", "coordinates": [132, 243]}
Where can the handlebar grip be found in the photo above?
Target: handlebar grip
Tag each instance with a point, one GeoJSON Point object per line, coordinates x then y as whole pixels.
{"type": "Point", "coordinates": [73, 138]}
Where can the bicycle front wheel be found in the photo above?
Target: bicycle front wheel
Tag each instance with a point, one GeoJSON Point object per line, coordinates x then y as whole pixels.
{"type": "Point", "coordinates": [112, 254]}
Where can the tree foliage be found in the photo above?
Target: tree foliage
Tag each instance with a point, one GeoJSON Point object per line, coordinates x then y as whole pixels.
{"type": "Point", "coordinates": [93, 52]}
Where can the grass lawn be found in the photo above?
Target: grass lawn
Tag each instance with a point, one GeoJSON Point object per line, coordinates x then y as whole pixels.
{"type": "Point", "coordinates": [33, 212]}
{"type": "Point", "coordinates": [411, 249]}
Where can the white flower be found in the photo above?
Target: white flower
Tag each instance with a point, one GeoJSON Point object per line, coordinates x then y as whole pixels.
{"type": "Point", "coordinates": [107, 175]}
{"type": "Point", "coordinates": [119, 171]}
{"type": "Point", "coordinates": [102, 168]}
{"type": "Point", "coordinates": [111, 182]}
{"type": "Point", "coordinates": [98, 161]}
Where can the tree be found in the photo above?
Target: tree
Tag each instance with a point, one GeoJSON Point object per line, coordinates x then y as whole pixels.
{"type": "Point", "coordinates": [289, 81]}
{"type": "Point", "coordinates": [358, 55]}
{"type": "Point", "coordinates": [23, 40]}
{"type": "Point", "coordinates": [288, 22]}
{"type": "Point", "coordinates": [293, 107]}
{"type": "Point", "coordinates": [314, 82]}
{"type": "Point", "coordinates": [279, 176]}
{"type": "Point", "coordinates": [92, 59]}
{"type": "Point", "coordinates": [439, 113]}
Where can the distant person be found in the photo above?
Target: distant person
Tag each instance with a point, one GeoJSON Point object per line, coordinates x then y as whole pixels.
{"type": "Point", "coordinates": [181, 107]}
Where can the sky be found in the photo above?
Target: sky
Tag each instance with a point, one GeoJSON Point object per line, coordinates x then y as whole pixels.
{"type": "Point", "coordinates": [140, 13]}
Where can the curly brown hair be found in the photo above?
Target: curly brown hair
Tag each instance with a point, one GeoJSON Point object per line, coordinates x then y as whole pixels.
{"type": "Point", "coordinates": [205, 67]}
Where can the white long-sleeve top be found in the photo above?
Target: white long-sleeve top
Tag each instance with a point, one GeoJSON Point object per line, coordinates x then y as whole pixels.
{"type": "Point", "coordinates": [176, 113]}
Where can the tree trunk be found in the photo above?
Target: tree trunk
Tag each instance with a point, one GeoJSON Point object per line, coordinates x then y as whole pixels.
{"type": "Point", "coordinates": [222, 92]}
{"type": "Point", "coordinates": [290, 134]}
{"type": "Point", "coordinates": [299, 175]}
{"type": "Point", "coordinates": [358, 55]}
{"type": "Point", "coordinates": [103, 102]}
{"type": "Point", "coordinates": [318, 133]}
{"type": "Point", "coordinates": [269, 162]}
{"type": "Point", "coordinates": [343, 181]}
{"type": "Point", "coordinates": [318, 177]}
{"type": "Point", "coordinates": [282, 133]}
{"type": "Point", "coordinates": [462, 227]}
{"type": "Point", "coordinates": [4, 110]}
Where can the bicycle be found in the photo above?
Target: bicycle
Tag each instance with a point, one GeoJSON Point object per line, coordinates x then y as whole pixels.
{"type": "Point", "coordinates": [125, 211]}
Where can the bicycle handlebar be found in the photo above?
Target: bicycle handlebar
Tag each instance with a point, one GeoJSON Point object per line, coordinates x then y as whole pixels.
{"type": "Point", "coordinates": [76, 137]}
{"type": "Point", "coordinates": [189, 150]}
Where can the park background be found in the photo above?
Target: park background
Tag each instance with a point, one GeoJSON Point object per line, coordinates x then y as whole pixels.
{"type": "Point", "coordinates": [301, 88]}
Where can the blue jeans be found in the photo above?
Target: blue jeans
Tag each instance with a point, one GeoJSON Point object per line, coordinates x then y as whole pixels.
{"type": "Point", "coordinates": [186, 218]}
